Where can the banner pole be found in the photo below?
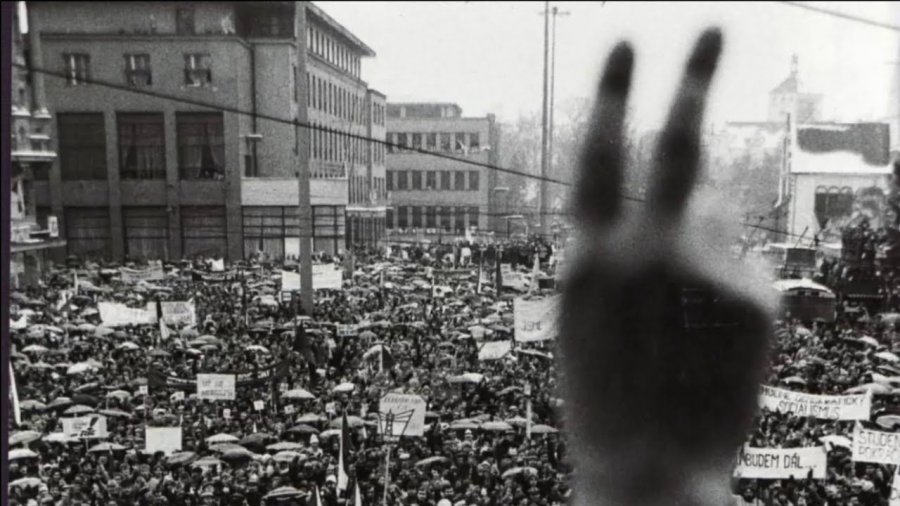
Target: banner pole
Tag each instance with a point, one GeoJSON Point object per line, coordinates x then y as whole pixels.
{"type": "Point", "coordinates": [387, 474]}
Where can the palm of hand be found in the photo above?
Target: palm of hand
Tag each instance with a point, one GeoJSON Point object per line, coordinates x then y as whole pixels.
{"type": "Point", "coordinates": [662, 359]}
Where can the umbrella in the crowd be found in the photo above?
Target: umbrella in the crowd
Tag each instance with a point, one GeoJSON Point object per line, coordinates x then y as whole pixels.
{"type": "Point", "coordinates": [103, 331]}
{"type": "Point", "coordinates": [60, 402]}
{"type": "Point", "coordinates": [888, 356]}
{"type": "Point", "coordinates": [207, 462]}
{"type": "Point", "coordinates": [509, 390]}
{"type": "Point", "coordinates": [78, 409]}
{"type": "Point", "coordinates": [119, 394]}
{"type": "Point", "coordinates": [367, 334]}
{"type": "Point", "coordinates": [888, 421]}
{"type": "Point", "coordinates": [115, 413]}
{"type": "Point", "coordinates": [535, 353]}
{"type": "Point", "coordinates": [32, 405]}
{"type": "Point", "coordinates": [188, 333]}
{"type": "Point", "coordinates": [529, 471]}
{"type": "Point", "coordinates": [302, 429]}
{"type": "Point", "coordinates": [283, 493]}
{"type": "Point", "coordinates": [431, 460]}
{"type": "Point", "coordinates": [344, 387]}
{"type": "Point", "coordinates": [157, 353]}
{"type": "Point", "coordinates": [237, 454]}
{"type": "Point", "coordinates": [329, 433]}
{"type": "Point", "coordinates": [298, 393]}
{"type": "Point", "coordinates": [836, 440]}
{"type": "Point", "coordinates": [87, 387]}
{"type": "Point", "coordinates": [496, 426]}
{"type": "Point", "coordinates": [79, 368]}
{"type": "Point", "coordinates": [40, 366]}
{"type": "Point", "coordinates": [23, 437]}
{"type": "Point", "coordinates": [256, 439]}
{"type": "Point", "coordinates": [543, 429]}
{"type": "Point", "coordinates": [180, 458]}
{"type": "Point", "coordinates": [26, 482]}
{"type": "Point", "coordinates": [87, 327]}
{"type": "Point", "coordinates": [794, 380]}
{"type": "Point", "coordinates": [85, 399]}
{"type": "Point", "coordinates": [257, 348]}
{"type": "Point", "coordinates": [311, 418]}
{"type": "Point", "coordinates": [35, 349]}
{"type": "Point", "coordinates": [284, 446]}
{"type": "Point", "coordinates": [464, 425]}
{"type": "Point", "coordinates": [469, 377]}
{"type": "Point", "coordinates": [221, 438]}
{"type": "Point", "coordinates": [875, 388]}
{"type": "Point", "coordinates": [59, 437]}
{"type": "Point", "coordinates": [21, 454]}
{"type": "Point", "coordinates": [287, 456]}
{"type": "Point", "coordinates": [224, 447]}
{"type": "Point", "coordinates": [352, 421]}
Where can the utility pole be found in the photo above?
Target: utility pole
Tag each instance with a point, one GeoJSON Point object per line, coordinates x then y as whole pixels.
{"type": "Point", "coordinates": [544, 118]}
{"type": "Point", "coordinates": [304, 209]}
{"type": "Point", "coordinates": [556, 12]}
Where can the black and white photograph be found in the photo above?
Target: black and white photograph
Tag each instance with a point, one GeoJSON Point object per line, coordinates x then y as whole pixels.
{"type": "Point", "coordinates": [460, 253]}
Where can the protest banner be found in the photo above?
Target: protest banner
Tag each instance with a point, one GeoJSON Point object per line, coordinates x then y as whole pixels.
{"type": "Point", "coordinates": [494, 350]}
{"type": "Point", "coordinates": [152, 273]}
{"type": "Point", "coordinates": [179, 313]}
{"type": "Point", "coordinates": [347, 330]}
{"type": "Point", "coordinates": [86, 427]}
{"type": "Point", "coordinates": [513, 279]}
{"type": "Point", "coordinates": [875, 446]}
{"type": "Point", "coordinates": [535, 320]}
{"type": "Point", "coordinates": [217, 265]}
{"type": "Point", "coordinates": [290, 281]}
{"type": "Point", "coordinates": [162, 439]}
{"type": "Point", "coordinates": [116, 315]}
{"type": "Point", "coordinates": [216, 387]}
{"type": "Point", "coordinates": [477, 332]}
{"type": "Point", "coordinates": [226, 414]}
{"type": "Point", "coordinates": [259, 405]}
{"type": "Point", "coordinates": [252, 378]}
{"type": "Point", "coordinates": [327, 277]}
{"type": "Point", "coordinates": [289, 409]}
{"type": "Point", "coordinates": [826, 407]}
{"type": "Point", "coordinates": [401, 414]}
{"type": "Point", "coordinates": [781, 463]}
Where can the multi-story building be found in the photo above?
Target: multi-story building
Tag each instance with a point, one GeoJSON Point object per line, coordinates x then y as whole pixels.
{"type": "Point", "coordinates": [435, 197]}
{"type": "Point", "coordinates": [31, 239]}
{"type": "Point", "coordinates": [181, 127]}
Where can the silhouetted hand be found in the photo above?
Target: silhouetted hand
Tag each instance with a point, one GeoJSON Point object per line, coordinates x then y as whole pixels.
{"type": "Point", "coordinates": [662, 348]}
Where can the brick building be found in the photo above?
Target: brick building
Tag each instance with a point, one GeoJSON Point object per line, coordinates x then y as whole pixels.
{"type": "Point", "coordinates": [435, 197]}
{"type": "Point", "coordinates": [31, 239]}
{"type": "Point", "coordinates": [144, 171]}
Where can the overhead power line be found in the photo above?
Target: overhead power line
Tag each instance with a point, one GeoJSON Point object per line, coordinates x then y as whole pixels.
{"type": "Point", "coordinates": [849, 17]}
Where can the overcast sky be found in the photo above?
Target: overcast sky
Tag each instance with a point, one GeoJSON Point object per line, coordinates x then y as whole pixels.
{"type": "Point", "coordinates": [487, 56]}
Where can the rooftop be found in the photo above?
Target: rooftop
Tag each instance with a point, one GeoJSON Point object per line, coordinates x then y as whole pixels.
{"type": "Point", "coordinates": [340, 29]}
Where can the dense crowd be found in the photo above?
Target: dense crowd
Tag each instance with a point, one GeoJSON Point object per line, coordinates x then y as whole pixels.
{"type": "Point", "coordinates": [275, 445]}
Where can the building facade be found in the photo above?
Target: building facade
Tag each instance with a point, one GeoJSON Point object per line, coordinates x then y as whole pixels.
{"type": "Point", "coordinates": [433, 197]}
{"type": "Point", "coordinates": [31, 239]}
{"type": "Point", "coordinates": [181, 126]}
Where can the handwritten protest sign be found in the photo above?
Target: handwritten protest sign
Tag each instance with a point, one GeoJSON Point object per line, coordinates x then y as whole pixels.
{"type": "Point", "coordinates": [215, 387]}
{"type": "Point", "coordinates": [327, 277]}
{"type": "Point", "coordinates": [347, 330]}
{"type": "Point", "coordinates": [779, 463]}
{"type": "Point", "coordinates": [116, 315]}
{"type": "Point", "coordinates": [290, 281]}
{"type": "Point", "coordinates": [494, 350]}
{"type": "Point", "coordinates": [259, 405]}
{"type": "Point", "coordinates": [875, 446]}
{"type": "Point", "coordinates": [513, 279]}
{"type": "Point", "coordinates": [152, 273]}
{"type": "Point", "coordinates": [86, 427]}
{"type": "Point", "coordinates": [162, 439]}
{"type": "Point", "coordinates": [826, 407]}
{"type": "Point", "coordinates": [535, 320]}
{"type": "Point", "coordinates": [401, 414]}
{"type": "Point", "coordinates": [179, 312]}
{"type": "Point", "coordinates": [217, 265]}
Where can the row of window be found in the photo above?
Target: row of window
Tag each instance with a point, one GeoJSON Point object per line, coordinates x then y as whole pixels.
{"type": "Point", "coordinates": [337, 148]}
{"type": "Point", "coordinates": [138, 71]}
{"type": "Point", "coordinates": [433, 180]}
{"type": "Point", "coordinates": [445, 218]}
{"type": "Point", "coordinates": [364, 191]}
{"type": "Point", "coordinates": [335, 100]}
{"type": "Point", "coordinates": [323, 45]}
{"type": "Point", "coordinates": [142, 147]}
{"type": "Point", "coordinates": [448, 142]}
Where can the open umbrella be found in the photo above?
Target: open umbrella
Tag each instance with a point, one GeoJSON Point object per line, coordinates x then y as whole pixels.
{"type": "Point", "coordinates": [237, 454]}
{"type": "Point", "coordinates": [224, 447]}
{"type": "Point", "coordinates": [344, 387]}
{"type": "Point", "coordinates": [875, 388]}
{"type": "Point", "coordinates": [79, 368]}
{"type": "Point", "coordinates": [60, 402]}
{"type": "Point", "coordinates": [128, 346]}
{"type": "Point", "coordinates": [257, 348]}
{"type": "Point", "coordinates": [519, 470]}
{"type": "Point", "coordinates": [21, 453]}
{"type": "Point", "coordinates": [888, 421]}
{"type": "Point", "coordinates": [59, 437]}
{"type": "Point", "coordinates": [888, 356]}
{"type": "Point", "coordinates": [207, 462]}
{"type": "Point", "coordinates": [302, 429]}
{"type": "Point", "coordinates": [284, 446]}
{"type": "Point", "coordinates": [298, 393]}
{"type": "Point", "coordinates": [256, 439]}
{"type": "Point", "coordinates": [78, 409]}
{"type": "Point", "coordinates": [794, 380]}
{"type": "Point", "coordinates": [180, 458]}
{"type": "Point", "coordinates": [221, 438]}
{"type": "Point", "coordinates": [311, 418]}
{"type": "Point", "coordinates": [35, 349]}
{"type": "Point", "coordinates": [283, 493]}
{"type": "Point", "coordinates": [23, 437]}
{"type": "Point", "coordinates": [469, 377]}
{"type": "Point", "coordinates": [871, 341]}
{"type": "Point", "coordinates": [85, 399]}
{"type": "Point", "coordinates": [431, 460]}
{"type": "Point", "coordinates": [543, 429]}
{"type": "Point", "coordinates": [463, 425]}
{"type": "Point", "coordinates": [509, 390]}
{"type": "Point", "coordinates": [517, 421]}
{"type": "Point", "coordinates": [353, 422]}
{"type": "Point", "coordinates": [329, 433]}
{"type": "Point", "coordinates": [159, 353]}
{"type": "Point", "coordinates": [115, 413]}
{"type": "Point", "coordinates": [119, 394]}
{"type": "Point", "coordinates": [106, 448]}
{"type": "Point", "coordinates": [32, 405]}
{"type": "Point", "coordinates": [26, 482]}
{"type": "Point", "coordinates": [287, 456]}
{"type": "Point", "coordinates": [496, 426]}
{"type": "Point", "coordinates": [836, 440]}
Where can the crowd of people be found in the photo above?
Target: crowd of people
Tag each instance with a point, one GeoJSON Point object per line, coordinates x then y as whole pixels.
{"type": "Point", "coordinates": [494, 433]}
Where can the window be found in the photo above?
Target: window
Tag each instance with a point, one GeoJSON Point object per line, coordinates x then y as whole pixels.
{"type": "Point", "coordinates": [446, 142]}
{"type": "Point", "coordinates": [137, 70]}
{"type": "Point", "coordinates": [431, 142]}
{"type": "Point", "coordinates": [184, 21]}
{"type": "Point", "coordinates": [417, 140]}
{"type": "Point", "coordinates": [389, 176]}
{"type": "Point", "coordinates": [430, 217]}
{"type": "Point", "coordinates": [431, 180]}
{"type": "Point", "coordinates": [203, 231]}
{"type": "Point", "coordinates": [142, 147]}
{"type": "Point", "coordinates": [474, 141]}
{"type": "Point", "coordinates": [87, 232]}
{"type": "Point", "coordinates": [402, 180]}
{"type": "Point", "coordinates": [402, 216]}
{"type": "Point", "coordinates": [82, 146]}
{"type": "Point", "coordinates": [197, 70]}
{"type": "Point", "coordinates": [201, 145]}
{"type": "Point", "coordinates": [473, 180]}
{"type": "Point", "coordinates": [402, 140]}
{"type": "Point", "coordinates": [460, 180]}
{"type": "Point", "coordinates": [460, 216]}
{"type": "Point", "coordinates": [78, 68]}
{"type": "Point", "coordinates": [146, 232]}
{"type": "Point", "coordinates": [473, 217]}
{"type": "Point", "coordinates": [445, 180]}
{"type": "Point", "coordinates": [389, 219]}
{"type": "Point", "coordinates": [444, 217]}
{"type": "Point", "coordinates": [416, 180]}
{"type": "Point", "coordinates": [417, 217]}
{"type": "Point", "coordinates": [392, 142]}
{"type": "Point", "coordinates": [459, 144]}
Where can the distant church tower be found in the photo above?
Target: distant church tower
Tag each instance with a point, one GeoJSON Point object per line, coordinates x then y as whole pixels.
{"type": "Point", "coordinates": [787, 98]}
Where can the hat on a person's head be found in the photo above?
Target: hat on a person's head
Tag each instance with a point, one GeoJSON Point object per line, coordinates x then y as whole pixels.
{"type": "Point", "coordinates": [313, 440]}
{"type": "Point", "coordinates": [331, 478]}
{"type": "Point", "coordinates": [444, 502]}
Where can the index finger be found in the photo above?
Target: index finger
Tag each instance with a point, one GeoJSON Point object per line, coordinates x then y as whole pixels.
{"type": "Point", "coordinates": [677, 157]}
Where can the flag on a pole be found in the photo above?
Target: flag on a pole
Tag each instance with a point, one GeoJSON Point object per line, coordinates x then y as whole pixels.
{"type": "Point", "coordinates": [342, 477]}
{"type": "Point", "coordinates": [302, 344]}
{"type": "Point", "coordinates": [163, 330]}
{"type": "Point", "coordinates": [480, 272]}
{"type": "Point", "coordinates": [75, 281]}
{"type": "Point", "coordinates": [317, 497]}
{"type": "Point", "coordinates": [14, 396]}
{"type": "Point", "coordinates": [535, 272]}
{"type": "Point", "coordinates": [499, 275]}
{"type": "Point", "coordinates": [357, 499]}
